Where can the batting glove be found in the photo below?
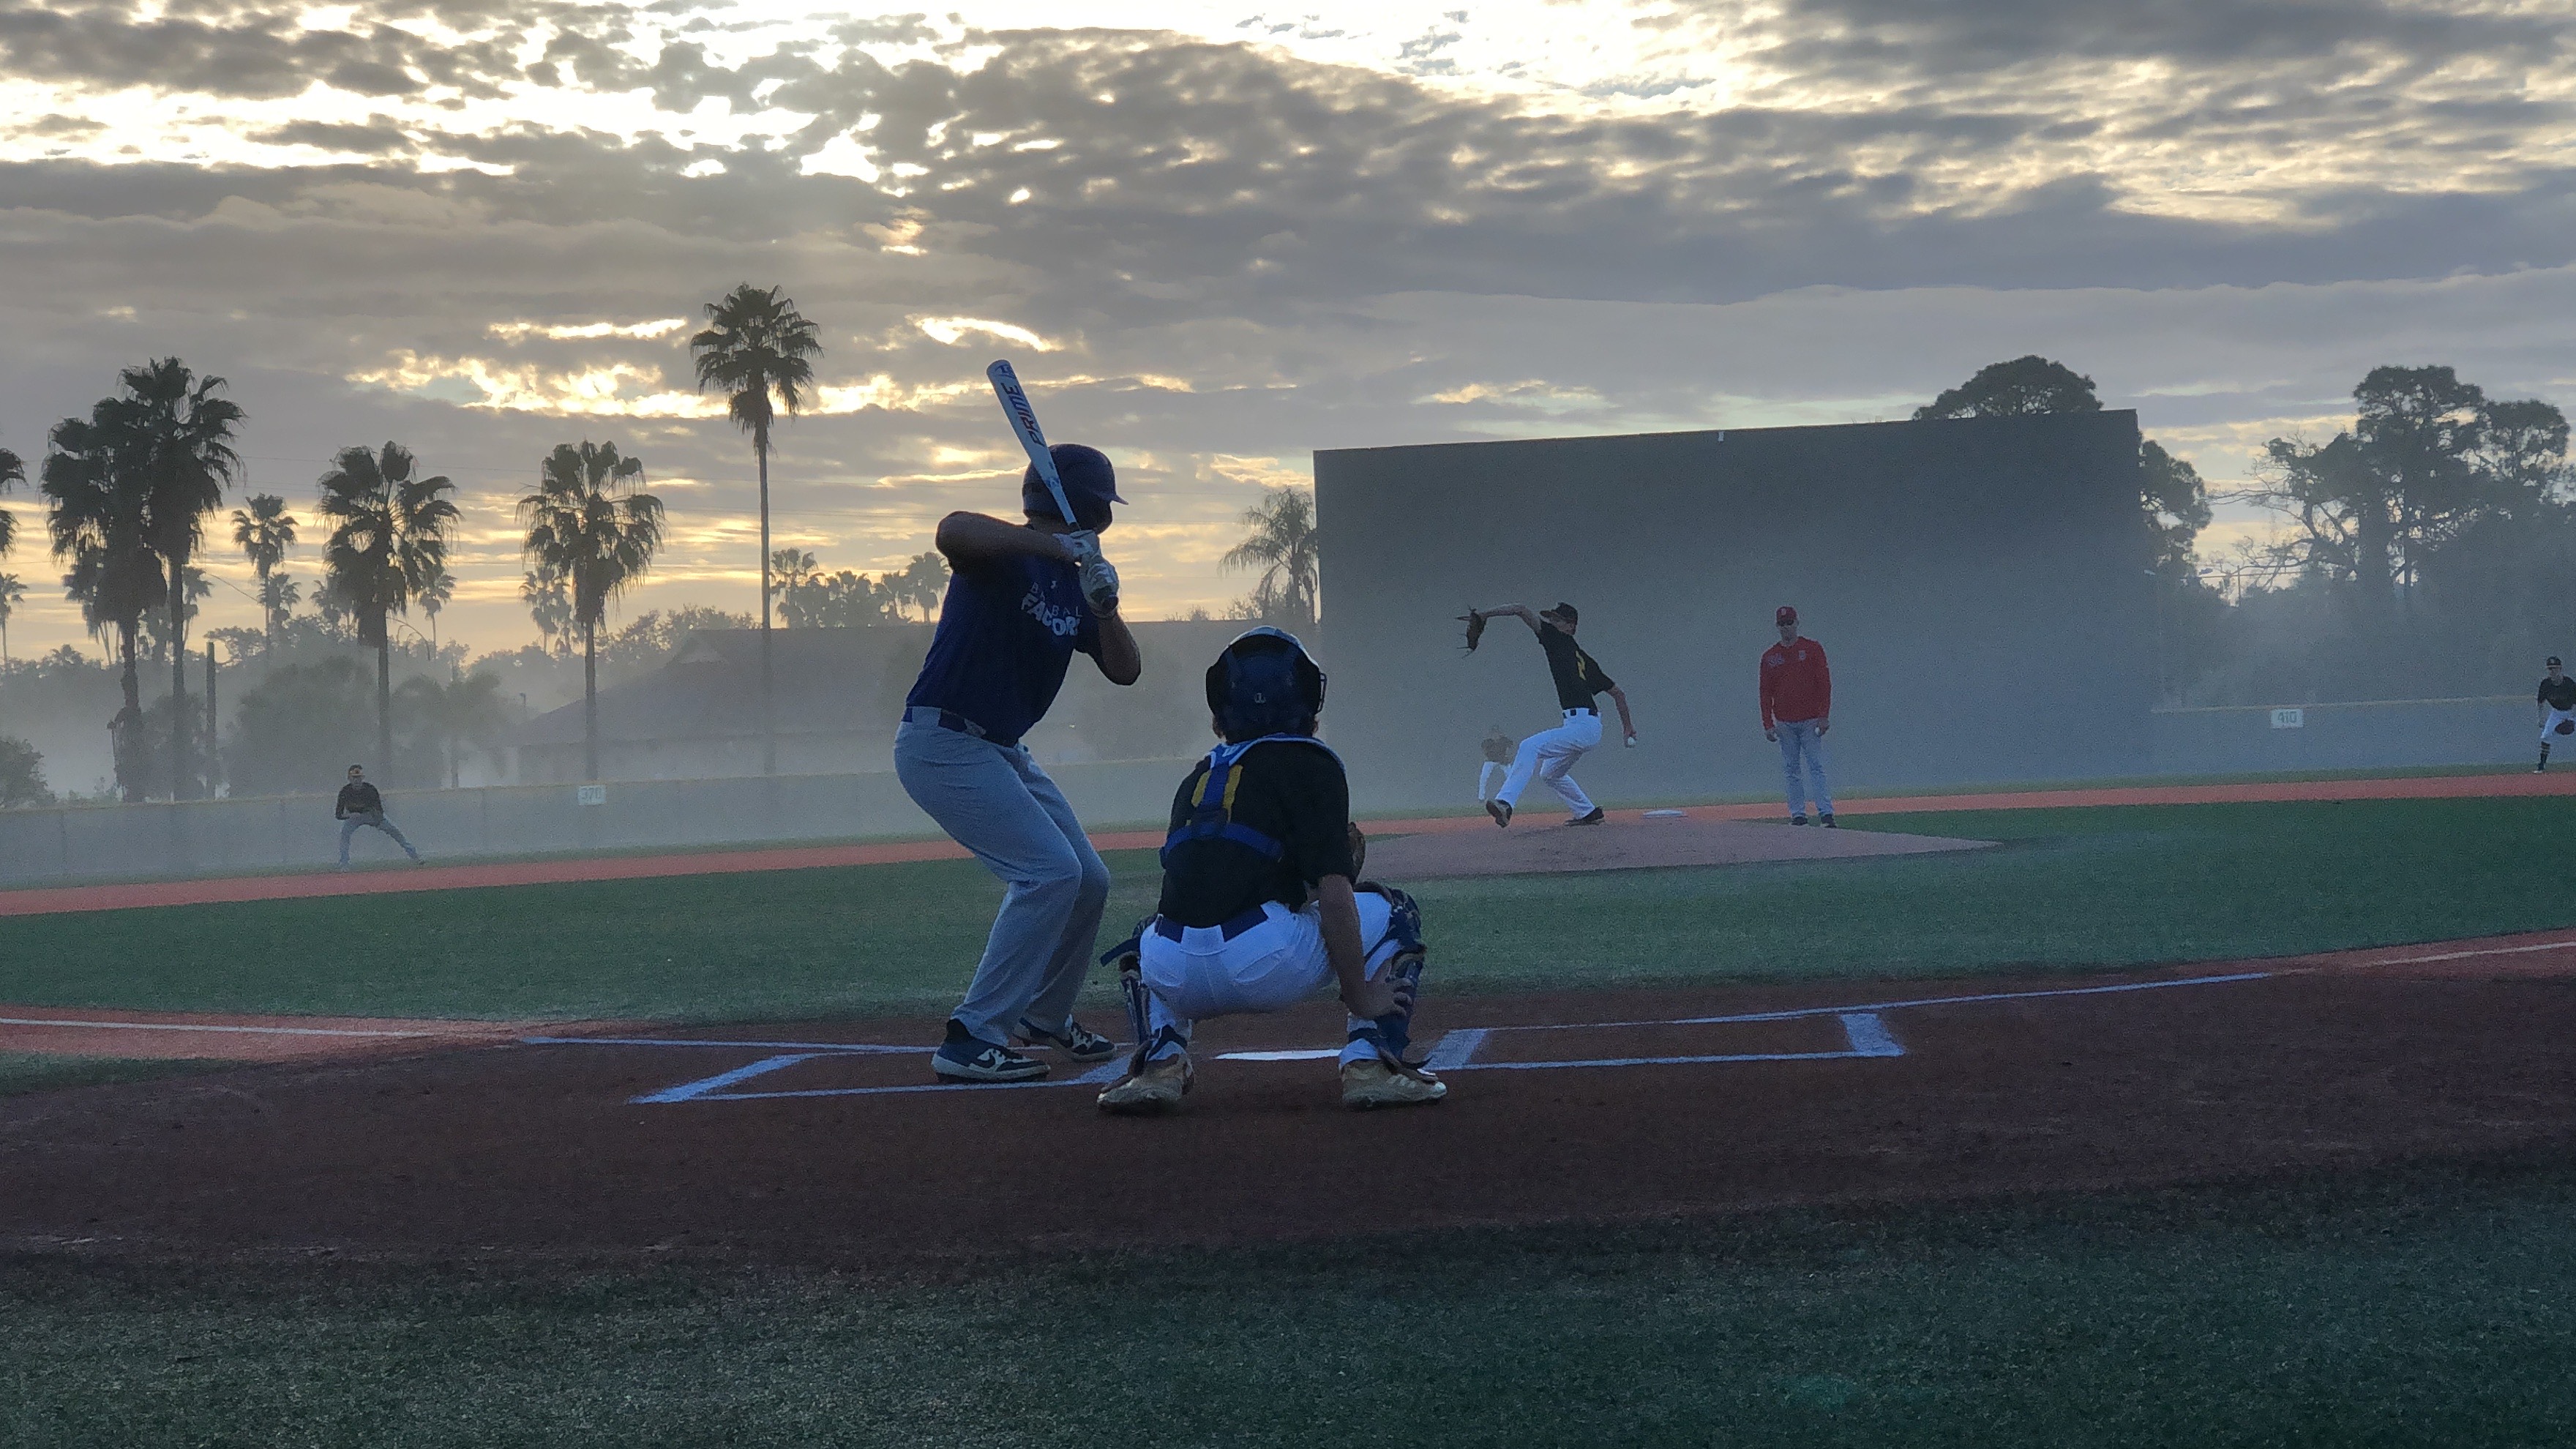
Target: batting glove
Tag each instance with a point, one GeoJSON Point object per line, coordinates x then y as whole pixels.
{"type": "Point", "coordinates": [1100, 584]}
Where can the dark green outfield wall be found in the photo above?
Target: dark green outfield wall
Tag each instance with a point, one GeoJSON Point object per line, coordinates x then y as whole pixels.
{"type": "Point", "coordinates": [1980, 586]}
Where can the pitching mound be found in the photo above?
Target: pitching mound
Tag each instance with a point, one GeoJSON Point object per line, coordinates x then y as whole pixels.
{"type": "Point", "coordinates": [1537, 843]}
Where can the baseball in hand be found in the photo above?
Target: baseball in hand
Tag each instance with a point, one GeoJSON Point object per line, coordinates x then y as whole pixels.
{"type": "Point", "coordinates": [1632, 740]}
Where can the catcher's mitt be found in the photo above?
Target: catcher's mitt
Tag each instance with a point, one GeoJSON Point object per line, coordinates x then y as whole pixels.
{"type": "Point", "coordinates": [1475, 623]}
{"type": "Point", "coordinates": [1359, 850]}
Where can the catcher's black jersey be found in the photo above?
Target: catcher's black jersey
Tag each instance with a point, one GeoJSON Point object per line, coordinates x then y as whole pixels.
{"type": "Point", "coordinates": [1294, 795]}
{"type": "Point", "coordinates": [2559, 693]}
{"type": "Point", "coordinates": [1578, 677]}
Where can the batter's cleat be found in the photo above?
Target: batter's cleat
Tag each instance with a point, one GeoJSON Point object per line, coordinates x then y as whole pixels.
{"type": "Point", "coordinates": [1827, 820]}
{"type": "Point", "coordinates": [1595, 818]}
{"type": "Point", "coordinates": [1797, 819]}
{"type": "Point", "coordinates": [1372, 1082]}
{"type": "Point", "coordinates": [1076, 1040]}
{"type": "Point", "coordinates": [1151, 1090]}
{"type": "Point", "coordinates": [964, 1058]}
{"type": "Point", "coordinates": [1501, 812]}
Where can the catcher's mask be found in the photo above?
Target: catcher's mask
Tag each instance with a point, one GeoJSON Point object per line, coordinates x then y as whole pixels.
{"type": "Point", "coordinates": [1264, 684]}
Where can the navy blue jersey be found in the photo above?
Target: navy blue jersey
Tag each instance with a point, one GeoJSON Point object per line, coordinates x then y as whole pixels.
{"type": "Point", "coordinates": [1007, 629]}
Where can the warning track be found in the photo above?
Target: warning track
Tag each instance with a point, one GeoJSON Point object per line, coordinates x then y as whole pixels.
{"type": "Point", "coordinates": [42, 900]}
{"type": "Point", "coordinates": [1567, 1106]}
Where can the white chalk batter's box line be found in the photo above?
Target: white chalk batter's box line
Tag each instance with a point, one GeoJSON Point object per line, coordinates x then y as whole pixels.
{"type": "Point", "coordinates": [1865, 1035]}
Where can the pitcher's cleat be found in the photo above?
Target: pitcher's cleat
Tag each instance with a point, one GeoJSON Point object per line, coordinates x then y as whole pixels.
{"type": "Point", "coordinates": [1501, 812]}
{"type": "Point", "coordinates": [1076, 1040]}
{"type": "Point", "coordinates": [1372, 1083]}
{"type": "Point", "coordinates": [1151, 1090]}
{"type": "Point", "coordinates": [1595, 818]}
{"type": "Point", "coordinates": [964, 1058]}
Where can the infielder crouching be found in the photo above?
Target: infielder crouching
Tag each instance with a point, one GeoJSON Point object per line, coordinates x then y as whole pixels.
{"type": "Point", "coordinates": [1259, 906]}
{"type": "Point", "coordinates": [2557, 711]}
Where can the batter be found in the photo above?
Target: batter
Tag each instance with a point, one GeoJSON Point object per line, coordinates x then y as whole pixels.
{"type": "Point", "coordinates": [2557, 710]}
{"type": "Point", "coordinates": [1550, 755]}
{"type": "Point", "coordinates": [1259, 907]}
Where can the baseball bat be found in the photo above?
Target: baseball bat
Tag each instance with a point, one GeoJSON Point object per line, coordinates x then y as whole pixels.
{"type": "Point", "coordinates": [1024, 421]}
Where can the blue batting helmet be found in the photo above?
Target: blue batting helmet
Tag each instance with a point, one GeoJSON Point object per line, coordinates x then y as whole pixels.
{"type": "Point", "coordinates": [1090, 485]}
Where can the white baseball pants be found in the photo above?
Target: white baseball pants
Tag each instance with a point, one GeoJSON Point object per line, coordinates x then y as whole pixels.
{"type": "Point", "coordinates": [1550, 755]}
{"type": "Point", "coordinates": [2549, 727]}
{"type": "Point", "coordinates": [1269, 966]}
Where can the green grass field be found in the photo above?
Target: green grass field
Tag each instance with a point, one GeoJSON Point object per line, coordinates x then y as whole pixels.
{"type": "Point", "coordinates": [2429, 1305]}
{"type": "Point", "coordinates": [2069, 888]}
{"type": "Point", "coordinates": [2430, 1308]}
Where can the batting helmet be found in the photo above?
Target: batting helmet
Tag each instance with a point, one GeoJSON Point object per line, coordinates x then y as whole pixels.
{"type": "Point", "coordinates": [1090, 485]}
{"type": "Point", "coordinates": [1264, 684]}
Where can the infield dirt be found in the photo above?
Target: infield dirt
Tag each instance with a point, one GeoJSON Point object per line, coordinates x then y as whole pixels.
{"type": "Point", "coordinates": [543, 1151]}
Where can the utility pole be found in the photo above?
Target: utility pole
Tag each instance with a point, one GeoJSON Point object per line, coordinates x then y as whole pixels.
{"type": "Point", "coordinates": [212, 754]}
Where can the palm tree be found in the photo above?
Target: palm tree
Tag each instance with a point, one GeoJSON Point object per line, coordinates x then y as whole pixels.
{"type": "Point", "coordinates": [390, 532]}
{"type": "Point", "coordinates": [435, 593]}
{"type": "Point", "coordinates": [265, 531]}
{"type": "Point", "coordinates": [13, 471]}
{"type": "Point", "coordinates": [757, 344]}
{"type": "Point", "coordinates": [179, 443]}
{"type": "Point", "coordinates": [549, 607]}
{"type": "Point", "coordinates": [278, 595]}
{"type": "Point", "coordinates": [12, 590]}
{"type": "Point", "coordinates": [96, 520]}
{"type": "Point", "coordinates": [921, 584]}
{"type": "Point", "coordinates": [1282, 546]}
{"type": "Point", "coordinates": [587, 528]}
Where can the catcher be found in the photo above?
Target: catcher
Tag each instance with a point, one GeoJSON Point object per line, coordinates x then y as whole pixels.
{"type": "Point", "coordinates": [1550, 755]}
{"type": "Point", "coordinates": [1259, 905]}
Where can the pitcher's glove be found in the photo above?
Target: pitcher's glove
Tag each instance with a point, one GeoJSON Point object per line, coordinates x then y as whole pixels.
{"type": "Point", "coordinates": [1475, 628]}
{"type": "Point", "coordinates": [1359, 850]}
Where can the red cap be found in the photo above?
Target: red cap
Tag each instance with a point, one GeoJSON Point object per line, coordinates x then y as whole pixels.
{"type": "Point", "coordinates": [1787, 615]}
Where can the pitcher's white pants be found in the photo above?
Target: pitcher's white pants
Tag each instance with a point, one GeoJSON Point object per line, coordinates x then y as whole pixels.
{"type": "Point", "coordinates": [1550, 755]}
{"type": "Point", "coordinates": [1269, 966]}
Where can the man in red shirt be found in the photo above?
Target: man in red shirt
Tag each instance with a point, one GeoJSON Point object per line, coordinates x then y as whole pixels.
{"type": "Point", "coordinates": [1797, 702]}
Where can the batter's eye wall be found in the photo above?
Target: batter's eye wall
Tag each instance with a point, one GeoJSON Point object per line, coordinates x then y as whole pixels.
{"type": "Point", "coordinates": [1980, 586]}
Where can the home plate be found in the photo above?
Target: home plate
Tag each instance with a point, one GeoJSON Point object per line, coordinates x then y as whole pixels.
{"type": "Point", "coordinates": [1316, 1054]}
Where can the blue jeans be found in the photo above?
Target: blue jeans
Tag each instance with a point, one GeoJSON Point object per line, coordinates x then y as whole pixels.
{"type": "Point", "coordinates": [995, 801]}
{"type": "Point", "coordinates": [1798, 737]}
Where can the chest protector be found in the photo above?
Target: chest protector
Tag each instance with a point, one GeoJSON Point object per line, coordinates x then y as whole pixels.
{"type": "Point", "coordinates": [1212, 807]}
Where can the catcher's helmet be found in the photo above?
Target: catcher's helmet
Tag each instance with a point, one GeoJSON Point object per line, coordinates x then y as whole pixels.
{"type": "Point", "coordinates": [1090, 485]}
{"type": "Point", "coordinates": [1264, 683]}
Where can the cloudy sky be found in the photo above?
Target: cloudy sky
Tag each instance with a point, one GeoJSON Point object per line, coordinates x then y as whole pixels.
{"type": "Point", "coordinates": [1217, 237]}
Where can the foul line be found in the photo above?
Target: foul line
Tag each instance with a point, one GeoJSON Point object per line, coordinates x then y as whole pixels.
{"type": "Point", "coordinates": [1878, 1006]}
{"type": "Point", "coordinates": [249, 1030]}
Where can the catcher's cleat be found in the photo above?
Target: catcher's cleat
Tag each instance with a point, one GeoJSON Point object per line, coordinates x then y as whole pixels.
{"type": "Point", "coordinates": [1076, 1040]}
{"type": "Point", "coordinates": [1595, 818]}
{"type": "Point", "coordinates": [1152, 1089]}
{"type": "Point", "coordinates": [1373, 1082]}
{"type": "Point", "coordinates": [964, 1058]}
{"type": "Point", "coordinates": [1501, 812]}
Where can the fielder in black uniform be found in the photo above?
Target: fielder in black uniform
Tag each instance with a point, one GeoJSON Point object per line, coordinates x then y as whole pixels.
{"type": "Point", "coordinates": [2557, 710]}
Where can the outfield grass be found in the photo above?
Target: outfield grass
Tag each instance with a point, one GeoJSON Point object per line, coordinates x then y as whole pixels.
{"type": "Point", "coordinates": [2069, 888]}
{"type": "Point", "coordinates": [2437, 1307]}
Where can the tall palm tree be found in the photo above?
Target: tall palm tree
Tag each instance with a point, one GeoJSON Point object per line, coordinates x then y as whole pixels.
{"type": "Point", "coordinates": [264, 532]}
{"type": "Point", "coordinates": [435, 593]}
{"type": "Point", "coordinates": [180, 437]}
{"type": "Point", "coordinates": [12, 591]}
{"type": "Point", "coordinates": [13, 471]}
{"type": "Point", "coordinates": [587, 527]}
{"type": "Point", "coordinates": [549, 608]}
{"type": "Point", "coordinates": [96, 520]}
{"type": "Point", "coordinates": [457, 716]}
{"type": "Point", "coordinates": [389, 532]}
{"type": "Point", "coordinates": [756, 346]}
{"type": "Point", "coordinates": [278, 595]}
{"type": "Point", "coordinates": [1282, 546]}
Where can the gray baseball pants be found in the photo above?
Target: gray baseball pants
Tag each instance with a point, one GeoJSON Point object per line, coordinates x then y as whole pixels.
{"type": "Point", "coordinates": [374, 819]}
{"type": "Point", "coordinates": [995, 801]}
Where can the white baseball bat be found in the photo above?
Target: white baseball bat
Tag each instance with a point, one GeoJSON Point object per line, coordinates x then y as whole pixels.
{"type": "Point", "coordinates": [1024, 421]}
